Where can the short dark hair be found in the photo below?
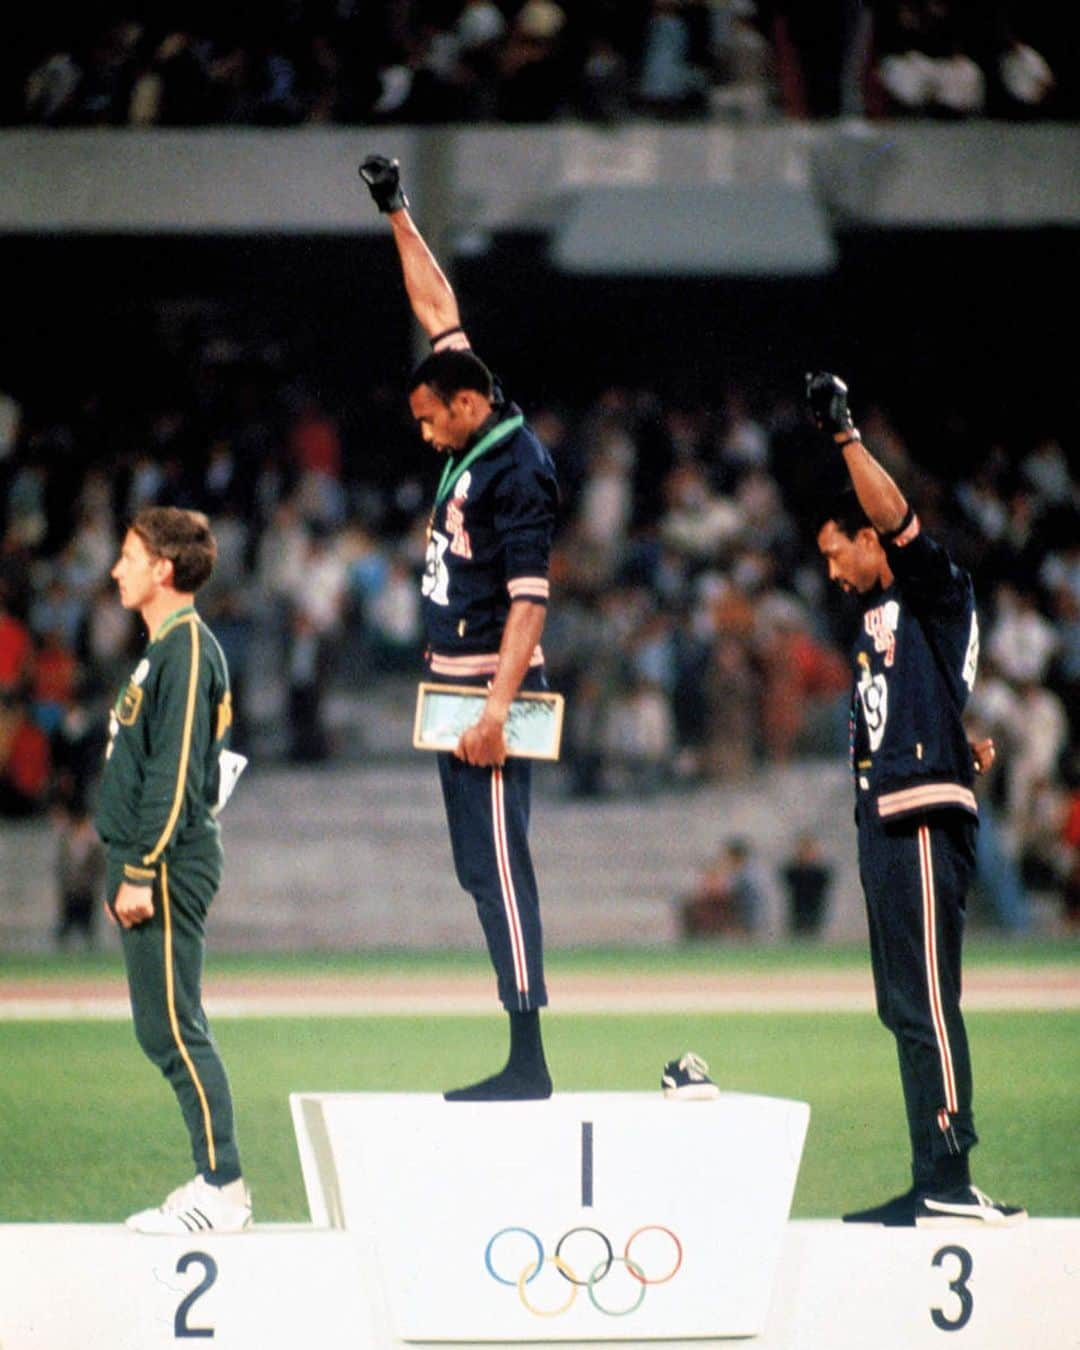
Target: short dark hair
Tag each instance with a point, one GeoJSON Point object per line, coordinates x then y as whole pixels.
{"type": "Point", "coordinates": [446, 373]}
{"type": "Point", "coordinates": [844, 509]}
{"type": "Point", "coordinates": [184, 538]}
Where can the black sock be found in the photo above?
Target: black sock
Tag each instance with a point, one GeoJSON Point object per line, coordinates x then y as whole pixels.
{"type": "Point", "coordinates": [525, 1076]}
{"type": "Point", "coordinates": [950, 1173]}
{"type": "Point", "coordinates": [526, 1046]}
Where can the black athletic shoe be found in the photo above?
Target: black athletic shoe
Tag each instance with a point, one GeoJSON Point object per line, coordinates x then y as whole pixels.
{"type": "Point", "coordinates": [687, 1079]}
{"type": "Point", "coordinates": [899, 1212]}
{"type": "Point", "coordinates": [965, 1206]}
{"type": "Point", "coordinates": [504, 1087]}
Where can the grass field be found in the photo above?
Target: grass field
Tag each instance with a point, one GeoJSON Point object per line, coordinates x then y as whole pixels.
{"type": "Point", "coordinates": [983, 950]}
{"type": "Point", "coordinates": [89, 1130]}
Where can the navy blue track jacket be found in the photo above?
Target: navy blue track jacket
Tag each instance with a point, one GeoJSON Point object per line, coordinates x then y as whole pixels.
{"type": "Point", "coordinates": [489, 544]}
{"type": "Point", "coordinates": [915, 662]}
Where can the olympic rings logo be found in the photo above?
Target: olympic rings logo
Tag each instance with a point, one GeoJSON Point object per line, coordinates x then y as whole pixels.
{"type": "Point", "coordinates": [593, 1259]}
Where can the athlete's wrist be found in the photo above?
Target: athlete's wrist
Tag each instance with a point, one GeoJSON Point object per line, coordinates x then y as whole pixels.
{"type": "Point", "coordinates": [497, 710]}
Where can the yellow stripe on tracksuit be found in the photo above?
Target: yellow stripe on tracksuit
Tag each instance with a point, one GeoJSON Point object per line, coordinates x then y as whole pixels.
{"type": "Point", "coordinates": [174, 1021]}
{"type": "Point", "coordinates": [152, 858]}
{"type": "Point", "coordinates": [185, 747]}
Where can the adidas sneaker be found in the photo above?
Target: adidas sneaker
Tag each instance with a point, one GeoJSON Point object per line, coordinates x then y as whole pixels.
{"type": "Point", "coordinates": [198, 1207]}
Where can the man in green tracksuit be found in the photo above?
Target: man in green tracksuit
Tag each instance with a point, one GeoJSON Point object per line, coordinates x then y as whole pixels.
{"type": "Point", "coordinates": [160, 793]}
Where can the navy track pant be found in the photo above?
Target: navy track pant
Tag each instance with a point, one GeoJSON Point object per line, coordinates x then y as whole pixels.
{"type": "Point", "coordinates": [915, 875]}
{"type": "Point", "coordinates": [487, 811]}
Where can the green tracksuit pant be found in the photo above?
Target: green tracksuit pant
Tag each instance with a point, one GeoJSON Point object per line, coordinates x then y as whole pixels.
{"type": "Point", "coordinates": [164, 960]}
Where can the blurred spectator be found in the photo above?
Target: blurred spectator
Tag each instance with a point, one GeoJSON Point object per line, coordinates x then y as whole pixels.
{"type": "Point", "coordinates": [51, 88]}
{"type": "Point", "coordinates": [393, 618]}
{"type": "Point", "coordinates": [27, 517]}
{"type": "Point", "coordinates": [173, 87]}
{"type": "Point", "coordinates": [806, 876]}
{"type": "Point", "coordinates": [481, 30]}
{"type": "Point", "coordinates": [798, 675]}
{"type": "Point", "coordinates": [80, 875]}
{"type": "Point", "coordinates": [57, 610]}
{"type": "Point", "coordinates": [56, 672]}
{"type": "Point", "coordinates": [16, 652]}
{"type": "Point", "coordinates": [532, 60]}
{"type": "Point", "coordinates": [992, 712]}
{"type": "Point", "coordinates": [532, 84]}
{"type": "Point", "coordinates": [1070, 838]}
{"type": "Point", "coordinates": [710, 909]}
{"type": "Point", "coordinates": [605, 503]}
{"type": "Point", "coordinates": [811, 43]}
{"type": "Point", "coordinates": [697, 522]}
{"type": "Point", "coordinates": [730, 896]}
{"type": "Point", "coordinates": [106, 638]}
{"type": "Point", "coordinates": [10, 424]}
{"type": "Point", "coordinates": [317, 608]}
{"type": "Point", "coordinates": [1022, 642]}
{"type": "Point", "coordinates": [743, 62]}
{"type": "Point", "coordinates": [77, 750]}
{"type": "Point", "coordinates": [315, 445]}
{"type": "Point", "coordinates": [25, 762]}
{"type": "Point", "coordinates": [641, 737]}
{"type": "Point", "coordinates": [605, 82]}
{"type": "Point", "coordinates": [585, 738]}
{"type": "Point", "coordinates": [1027, 81]}
{"type": "Point", "coordinates": [228, 612]}
{"type": "Point", "coordinates": [926, 64]}
{"type": "Point", "coordinates": [673, 81]}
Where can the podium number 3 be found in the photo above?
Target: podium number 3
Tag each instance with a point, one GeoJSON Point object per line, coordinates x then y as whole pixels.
{"type": "Point", "coordinates": [959, 1288]}
{"type": "Point", "coordinates": [181, 1330]}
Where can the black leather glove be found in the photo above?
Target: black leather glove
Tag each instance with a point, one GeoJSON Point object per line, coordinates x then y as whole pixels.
{"type": "Point", "coordinates": [383, 179]}
{"type": "Point", "coordinates": [826, 398]}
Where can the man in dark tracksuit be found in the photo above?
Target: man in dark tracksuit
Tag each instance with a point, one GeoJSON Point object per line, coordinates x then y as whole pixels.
{"type": "Point", "coordinates": [915, 659]}
{"type": "Point", "coordinates": [159, 796]}
{"type": "Point", "coordinates": [485, 592]}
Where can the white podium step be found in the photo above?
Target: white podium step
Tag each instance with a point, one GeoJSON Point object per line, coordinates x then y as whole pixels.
{"type": "Point", "coordinates": [853, 1287]}
{"type": "Point", "coordinates": [588, 1218]}
{"type": "Point", "coordinates": [94, 1287]}
{"type": "Point", "coordinates": [591, 1216]}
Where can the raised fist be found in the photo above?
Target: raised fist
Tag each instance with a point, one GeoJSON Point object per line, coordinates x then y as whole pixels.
{"type": "Point", "coordinates": [826, 397]}
{"type": "Point", "coordinates": [383, 179]}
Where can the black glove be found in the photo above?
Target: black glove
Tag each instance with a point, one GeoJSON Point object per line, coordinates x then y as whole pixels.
{"type": "Point", "coordinates": [826, 397]}
{"type": "Point", "coordinates": [383, 179]}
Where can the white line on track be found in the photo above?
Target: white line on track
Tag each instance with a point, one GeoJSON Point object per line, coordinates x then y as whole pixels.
{"type": "Point", "coordinates": [360, 1004]}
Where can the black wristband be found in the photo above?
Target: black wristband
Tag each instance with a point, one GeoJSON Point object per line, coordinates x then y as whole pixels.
{"type": "Point", "coordinates": [852, 439]}
{"type": "Point", "coordinates": [447, 332]}
{"type": "Point", "coordinates": [888, 536]}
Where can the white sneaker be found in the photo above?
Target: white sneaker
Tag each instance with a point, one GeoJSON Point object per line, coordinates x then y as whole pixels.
{"type": "Point", "coordinates": [198, 1207]}
{"type": "Point", "coordinates": [966, 1205]}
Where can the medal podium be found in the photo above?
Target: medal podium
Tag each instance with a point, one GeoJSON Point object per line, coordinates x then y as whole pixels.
{"type": "Point", "coordinates": [587, 1218]}
{"type": "Point", "coordinates": [592, 1216]}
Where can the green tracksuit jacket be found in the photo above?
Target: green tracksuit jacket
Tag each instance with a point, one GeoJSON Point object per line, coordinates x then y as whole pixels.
{"type": "Point", "coordinates": [166, 733]}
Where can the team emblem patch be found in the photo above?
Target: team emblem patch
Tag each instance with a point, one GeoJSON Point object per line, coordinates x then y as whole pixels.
{"type": "Point", "coordinates": [127, 710]}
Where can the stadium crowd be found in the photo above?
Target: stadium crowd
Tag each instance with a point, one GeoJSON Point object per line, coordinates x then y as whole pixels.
{"type": "Point", "coordinates": [692, 631]}
{"type": "Point", "coordinates": [295, 62]}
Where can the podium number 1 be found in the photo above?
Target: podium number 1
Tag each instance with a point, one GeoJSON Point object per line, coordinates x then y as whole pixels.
{"type": "Point", "coordinates": [586, 1164]}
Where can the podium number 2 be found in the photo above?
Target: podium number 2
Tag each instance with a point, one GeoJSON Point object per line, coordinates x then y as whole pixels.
{"type": "Point", "coordinates": [958, 1287]}
{"type": "Point", "coordinates": [181, 1330]}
